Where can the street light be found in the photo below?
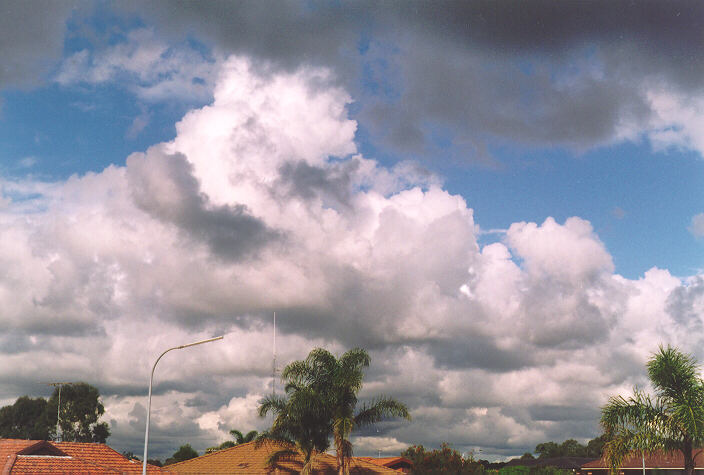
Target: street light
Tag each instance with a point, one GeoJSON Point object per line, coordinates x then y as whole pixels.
{"type": "Point", "coordinates": [149, 404]}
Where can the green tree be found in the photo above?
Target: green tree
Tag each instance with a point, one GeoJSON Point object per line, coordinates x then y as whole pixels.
{"type": "Point", "coordinates": [596, 446]}
{"type": "Point", "coordinates": [239, 439]}
{"type": "Point", "coordinates": [547, 450]}
{"type": "Point", "coordinates": [185, 452]}
{"type": "Point", "coordinates": [27, 418]}
{"type": "Point", "coordinates": [445, 460]}
{"type": "Point", "coordinates": [671, 420]}
{"type": "Point", "coordinates": [301, 423]}
{"type": "Point", "coordinates": [79, 413]}
{"type": "Point", "coordinates": [572, 448]}
{"type": "Point", "coordinates": [335, 383]}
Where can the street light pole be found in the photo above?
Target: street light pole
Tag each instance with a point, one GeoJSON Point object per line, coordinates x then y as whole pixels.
{"type": "Point", "coordinates": [149, 403]}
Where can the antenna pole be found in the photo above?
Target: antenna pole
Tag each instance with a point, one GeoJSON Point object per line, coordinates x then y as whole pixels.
{"type": "Point", "coordinates": [60, 384]}
{"type": "Point", "coordinates": [58, 409]}
{"type": "Point", "coordinates": [273, 366]}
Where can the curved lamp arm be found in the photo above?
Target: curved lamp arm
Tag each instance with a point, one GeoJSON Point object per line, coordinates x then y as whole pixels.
{"type": "Point", "coordinates": [149, 403]}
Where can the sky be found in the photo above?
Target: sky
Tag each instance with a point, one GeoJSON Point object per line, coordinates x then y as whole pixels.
{"type": "Point", "coordinates": [501, 201]}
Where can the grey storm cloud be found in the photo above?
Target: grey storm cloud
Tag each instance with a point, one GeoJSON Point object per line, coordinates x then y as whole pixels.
{"type": "Point", "coordinates": [31, 38]}
{"type": "Point", "coordinates": [164, 186]}
{"type": "Point", "coordinates": [542, 74]}
{"type": "Point", "coordinates": [539, 74]}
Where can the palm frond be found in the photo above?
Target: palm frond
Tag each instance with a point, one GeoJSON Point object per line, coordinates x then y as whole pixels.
{"type": "Point", "coordinates": [672, 420]}
{"type": "Point", "coordinates": [237, 435]}
{"type": "Point", "coordinates": [271, 403]}
{"type": "Point", "coordinates": [672, 372]}
{"type": "Point", "coordinates": [380, 409]}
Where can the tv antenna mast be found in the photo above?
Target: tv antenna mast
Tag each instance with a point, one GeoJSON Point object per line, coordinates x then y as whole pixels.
{"type": "Point", "coordinates": [273, 366]}
{"type": "Point", "coordinates": [60, 384]}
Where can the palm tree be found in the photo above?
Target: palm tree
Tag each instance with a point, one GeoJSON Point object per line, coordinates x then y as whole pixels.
{"type": "Point", "coordinates": [336, 382]}
{"type": "Point", "coordinates": [299, 425]}
{"type": "Point", "coordinates": [671, 420]}
{"type": "Point", "coordinates": [243, 439]}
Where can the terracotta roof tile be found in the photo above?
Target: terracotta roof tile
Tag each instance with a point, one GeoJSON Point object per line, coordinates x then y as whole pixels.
{"type": "Point", "coordinates": [84, 458]}
{"type": "Point", "coordinates": [251, 459]}
{"type": "Point", "coordinates": [390, 462]}
{"type": "Point", "coordinates": [661, 460]}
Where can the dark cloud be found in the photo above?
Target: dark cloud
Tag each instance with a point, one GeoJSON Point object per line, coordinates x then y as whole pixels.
{"type": "Point", "coordinates": [553, 413]}
{"type": "Point", "coordinates": [330, 184]}
{"type": "Point", "coordinates": [545, 73]}
{"type": "Point", "coordinates": [164, 186]}
{"type": "Point", "coordinates": [31, 39]}
{"type": "Point", "coordinates": [478, 351]}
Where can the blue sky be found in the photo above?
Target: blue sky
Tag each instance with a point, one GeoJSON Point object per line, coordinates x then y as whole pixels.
{"type": "Point", "coordinates": [482, 195]}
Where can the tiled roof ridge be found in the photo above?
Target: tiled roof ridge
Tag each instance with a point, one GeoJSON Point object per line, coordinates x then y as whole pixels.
{"type": "Point", "coordinates": [8, 465]}
{"type": "Point", "coordinates": [90, 462]}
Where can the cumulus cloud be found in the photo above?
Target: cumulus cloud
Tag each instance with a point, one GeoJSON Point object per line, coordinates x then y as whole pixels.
{"type": "Point", "coordinates": [263, 203]}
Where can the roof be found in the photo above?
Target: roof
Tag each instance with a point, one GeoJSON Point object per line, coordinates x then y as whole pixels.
{"type": "Point", "coordinates": [658, 459]}
{"type": "Point", "coordinates": [391, 462]}
{"type": "Point", "coordinates": [251, 458]}
{"type": "Point", "coordinates": [567, 463]}
{"type": "Point", "coordinates": [39, 456]}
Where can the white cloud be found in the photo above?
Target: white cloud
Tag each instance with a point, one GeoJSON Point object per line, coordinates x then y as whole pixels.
{"type": "Point", "coordinates": [261, 203]}
{"type": "Point", "coordinates": [152, 69]}
{"type": "Point", "coordinates": [379, 445]}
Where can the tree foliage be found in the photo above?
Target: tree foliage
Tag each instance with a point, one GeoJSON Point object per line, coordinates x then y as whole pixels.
{"type": "Point", "coordinates": [185, 452]}
{"type": "Point", "coordinates": [27, 418]}
{"type": "Point", "coordinates": [331, 386]}
{"type": "Point", "coordinates": [300, 424]}
{"type": "Point", "coordinates": [79, 413]}
{"type": "Point", "coordinates": [243, 439]}
{"type": "Point", "coordinates": [571, 448]}
{"type": "Point", "coordinates": [81, 409]}
{"type": "Point", "coordinates": [321, 400]}
{"type": "Point", "coordinates": [671, 420]}
{"type": "Point", "coordinates": [239, 439]}
{"type": "Point", "coordinates": [444, 460]}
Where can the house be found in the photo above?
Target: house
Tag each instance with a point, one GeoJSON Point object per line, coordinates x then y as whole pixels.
{"type": "Point", "coordinates": [251, 458]}
{"type": "Point", "coordinates": [41, 456]}
{"type": "Point", "coordinates": [400, 464]}
{"type": "Point", "coordinates": [660, 463]}
{"type": "Point", "coordinates": [563, 463]}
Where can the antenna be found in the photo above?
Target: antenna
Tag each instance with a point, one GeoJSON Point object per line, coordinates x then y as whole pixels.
{"type": "Point", "coordinates": [273, 366]}
{"type": "Point", "coordinates": [58, 406]}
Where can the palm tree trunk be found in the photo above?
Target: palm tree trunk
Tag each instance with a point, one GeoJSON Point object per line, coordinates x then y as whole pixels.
{"type": "Point", "coordinates": [688, 458]}
{"type": "Point", "coordinates": [340, 455]}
